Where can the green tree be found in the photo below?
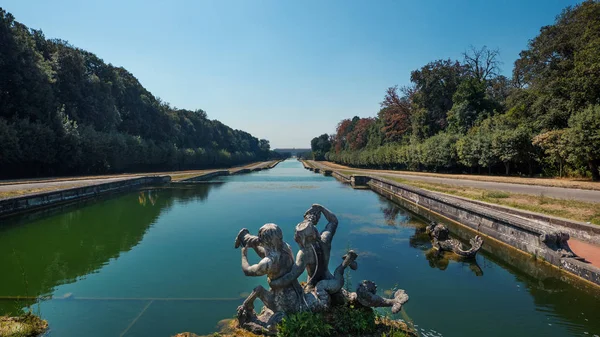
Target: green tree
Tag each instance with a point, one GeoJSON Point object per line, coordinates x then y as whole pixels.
{"type": "Point", "coordinates": [554, 145]}
{"type": "Point", "coordinates": [320, 146]}
{"type": "Point", "coordinates": [583, 139]}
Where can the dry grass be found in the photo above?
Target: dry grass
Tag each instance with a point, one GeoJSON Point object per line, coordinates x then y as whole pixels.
{"type": "Point", "coordinates": [585, 184]}
{"type": "Point", "coordinates": [190, 173]}
{"type": "Point", "coordinates": [180, 177]}
{"type": "Point", "coordinates": [176, 176]}
{"type": "Point", "coordinates": [28, 191]}
{"type": "Point", "coordinates": [569, 209]}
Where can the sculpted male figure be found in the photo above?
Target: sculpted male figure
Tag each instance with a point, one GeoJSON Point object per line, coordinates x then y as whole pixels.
{"type": "Point", "coordinates": [315, 249]}
{"type": "Point", "coordinates": [277, 260]}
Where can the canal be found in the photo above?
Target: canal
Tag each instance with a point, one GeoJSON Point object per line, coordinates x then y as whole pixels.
{"type": "Point", "coordinates": [160, 261]}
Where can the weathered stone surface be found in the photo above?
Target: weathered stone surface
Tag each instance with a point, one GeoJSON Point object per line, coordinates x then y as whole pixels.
{"type": "Point", "coordinates": [442, 241]}
{"type": "Point", "coordinates": [30, 202]}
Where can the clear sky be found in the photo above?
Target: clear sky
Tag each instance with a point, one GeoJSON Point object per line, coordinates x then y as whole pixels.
{"type": "Point", "coordinates": [284, 70]}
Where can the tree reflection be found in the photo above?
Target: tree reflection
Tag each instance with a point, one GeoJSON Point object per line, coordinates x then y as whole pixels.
{"type": "Point", "coordinates": [41, 251]}
{"type": "Point", "coordinates": [391, 212]}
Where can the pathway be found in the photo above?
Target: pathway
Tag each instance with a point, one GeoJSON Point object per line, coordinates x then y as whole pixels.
{"type": "Point", "coordinates": [548, 191]}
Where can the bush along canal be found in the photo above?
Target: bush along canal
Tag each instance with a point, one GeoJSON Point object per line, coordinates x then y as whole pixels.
{"type": "Point", "coordinates": [156, 262]}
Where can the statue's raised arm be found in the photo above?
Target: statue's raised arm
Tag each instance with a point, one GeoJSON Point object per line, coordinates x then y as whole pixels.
{"type": "Point", "coordinates": [332, 223]}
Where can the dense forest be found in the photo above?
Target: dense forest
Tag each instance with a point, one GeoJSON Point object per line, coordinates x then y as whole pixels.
{"type": "Point", "coordinates": [64, 111]}
{"type": "Point", "coordinates": [464, 116]}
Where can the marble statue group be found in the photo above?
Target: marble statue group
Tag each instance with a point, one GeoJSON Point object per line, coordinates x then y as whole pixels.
{"type": "Point", "coordinates": [321, 291]}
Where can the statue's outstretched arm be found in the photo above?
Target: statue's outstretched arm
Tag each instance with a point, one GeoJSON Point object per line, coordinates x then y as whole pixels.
{"type": "Point", "coordinates": [258, 269]}
{"type": "Point", "coordinates": [330, 229]}
{"type": "Point", "coordinates": [295, 272]}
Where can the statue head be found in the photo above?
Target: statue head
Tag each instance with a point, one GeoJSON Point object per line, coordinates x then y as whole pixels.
{"type": "Point", "coordinates": [270, 235]}
{"type": "Point", "coordinates": [306, 233]}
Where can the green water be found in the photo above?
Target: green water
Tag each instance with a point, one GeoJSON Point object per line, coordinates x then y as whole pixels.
{"type": "Point", "coordinates": [161, 261]}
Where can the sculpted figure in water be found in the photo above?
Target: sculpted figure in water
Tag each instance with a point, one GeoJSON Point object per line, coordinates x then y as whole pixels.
{"type": "Point", "coordinates": [442, 241]}
{"type": "Point", "coordinates": [322, 289]}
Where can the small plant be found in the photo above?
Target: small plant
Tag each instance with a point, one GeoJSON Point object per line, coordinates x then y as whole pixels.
{"type": "Point", "coordinates": [542, 200]}
{"type": "Point", "coordinates": [348, 320]}
{"type": "Point", "coordinates": [304, 323]}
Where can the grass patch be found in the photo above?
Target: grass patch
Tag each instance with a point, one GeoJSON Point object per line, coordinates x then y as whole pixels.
{"type": "Point", "coordinates": [570, 209]}
{"type": "Point", "coordinates": [495, 194]}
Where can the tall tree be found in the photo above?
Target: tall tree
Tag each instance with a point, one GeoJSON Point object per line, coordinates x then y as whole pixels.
{"type": "Point", "coordinates": [434, 85]}
{"type": "Point", "coordinates": [396, 113]}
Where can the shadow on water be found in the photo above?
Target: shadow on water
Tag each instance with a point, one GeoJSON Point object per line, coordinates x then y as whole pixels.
{"type": "Point", "coordinates": [53, 247]}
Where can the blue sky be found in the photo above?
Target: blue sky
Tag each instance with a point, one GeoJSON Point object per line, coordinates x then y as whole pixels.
{"type": "Point", "coordinates": [284, 70]}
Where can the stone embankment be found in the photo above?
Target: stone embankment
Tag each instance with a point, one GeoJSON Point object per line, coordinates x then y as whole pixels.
{"type": "Point", "coordinates": [255, 168]}
{"type": "Point", "coordinates": [538, 235]}
{"type": "Point", "coordinates": [17, 205]}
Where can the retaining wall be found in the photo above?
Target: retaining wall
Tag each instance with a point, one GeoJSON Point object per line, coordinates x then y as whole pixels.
{"type": "Point", "coordinates": [41, 200]}
{"type": "Point", "coordinates": [538, 239]}
{"type": "Point", "coordinates": [205, 177]}
{"type": "Point", "coordinates": [580, 230]}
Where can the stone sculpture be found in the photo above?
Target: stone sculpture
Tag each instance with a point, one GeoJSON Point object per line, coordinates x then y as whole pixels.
{"type": "Point", "coordinates": [442, 241]}
{"type": "Point", "coordinates": [322, 290]}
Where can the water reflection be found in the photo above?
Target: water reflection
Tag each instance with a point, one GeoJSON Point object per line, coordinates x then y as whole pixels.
{"type": "Point", "coordinates": [47, 249]}
{"type": "Point", "coordinates": [556, 294]}
{"type": "Point", "coordinates": [436, 258]}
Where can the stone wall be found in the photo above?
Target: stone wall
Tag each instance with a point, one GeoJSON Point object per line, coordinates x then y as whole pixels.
{"type": "Point", "coordinates": [41, 200]}
{"type": "Point", "coordinates": [206, 176]}
{"type": "Point", "coordinates": [540, 240]}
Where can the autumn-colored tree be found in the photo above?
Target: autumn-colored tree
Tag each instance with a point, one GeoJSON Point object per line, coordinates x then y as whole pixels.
{"type": "Point", "coordinates": [395, 113]}
{"type": "Point", "coordinates": [358, 137]}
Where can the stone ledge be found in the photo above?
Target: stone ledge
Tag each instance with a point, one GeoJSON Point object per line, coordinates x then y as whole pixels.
{"type": "Point", "coordinates": [46, 199]}
{"type": "Point", "coordinates": [525, 235]}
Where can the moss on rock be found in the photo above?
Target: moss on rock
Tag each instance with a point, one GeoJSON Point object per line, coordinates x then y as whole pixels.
{"type": "Point", "coordinates": [22, 326]}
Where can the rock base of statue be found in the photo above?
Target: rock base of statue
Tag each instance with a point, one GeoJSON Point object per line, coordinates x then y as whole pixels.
{"type": "Point", "coordinates": [25, 325]}
{"type": "Point", "coordinates": [382, 326]}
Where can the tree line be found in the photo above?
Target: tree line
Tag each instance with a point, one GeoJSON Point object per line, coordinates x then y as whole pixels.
{"type": "Point", "coordinates": [63, 110]}
{"type": "Point", "coordinates": [464, 116]}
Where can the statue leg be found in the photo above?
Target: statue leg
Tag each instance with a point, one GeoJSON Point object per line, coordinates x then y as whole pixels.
{"type": "Point", "coordinates": [334, 285]}
{"type": "Point", "coordinates": [261, 293]}
{"type": "Point", "coordinates": [246, 315]}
